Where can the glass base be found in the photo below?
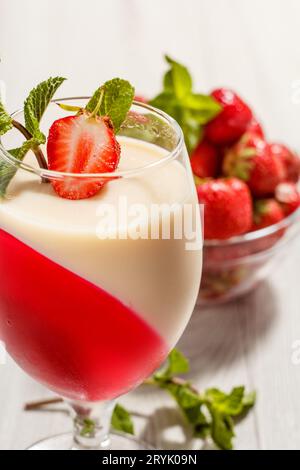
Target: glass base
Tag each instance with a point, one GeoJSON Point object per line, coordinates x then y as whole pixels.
{"type": "Point", "coordinates": [65, 442]}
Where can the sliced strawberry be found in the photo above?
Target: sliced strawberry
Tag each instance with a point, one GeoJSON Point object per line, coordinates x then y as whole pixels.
{"type": "Point", "coordinates": [81, 144]}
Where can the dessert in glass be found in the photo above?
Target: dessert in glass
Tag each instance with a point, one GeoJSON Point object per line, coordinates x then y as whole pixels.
{"type": "Point", "coordinates": [92, 295]}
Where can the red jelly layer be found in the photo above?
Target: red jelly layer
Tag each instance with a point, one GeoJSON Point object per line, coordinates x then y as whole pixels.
{"type": "Point", "coordinates": [67, 333]}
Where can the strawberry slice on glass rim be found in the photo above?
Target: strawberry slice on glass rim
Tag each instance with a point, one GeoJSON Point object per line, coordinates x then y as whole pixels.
{"type": "Point", "coordinates": [84, 143]}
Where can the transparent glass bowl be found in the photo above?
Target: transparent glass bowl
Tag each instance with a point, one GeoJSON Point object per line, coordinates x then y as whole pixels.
{"type": "Point", "coordinates": [233, 267]}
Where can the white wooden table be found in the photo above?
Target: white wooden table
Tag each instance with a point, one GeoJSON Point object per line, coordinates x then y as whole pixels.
{"type": "Point", "coordinates": [252, 46]}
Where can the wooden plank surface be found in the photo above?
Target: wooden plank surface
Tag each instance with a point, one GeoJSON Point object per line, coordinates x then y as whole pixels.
{"type": "Point", "coordinates": [252, 47]}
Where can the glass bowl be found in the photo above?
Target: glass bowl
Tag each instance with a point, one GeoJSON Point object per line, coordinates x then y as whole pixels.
{"type": "Point", "coordinates": [233, 267]}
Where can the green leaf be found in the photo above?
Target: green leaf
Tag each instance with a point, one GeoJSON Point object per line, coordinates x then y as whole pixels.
{"type": "Point", "coordinates": [230, 404]}
{"type": "Point", "coordinates": [121, 420]}
{"type": "Point", "coordinates": [165, 101]}
{"type": "Point", "coordinates": [68, 107]}
{"type": "Point", "coordinates": [36, 104]}
{"type": "Point", "coordinates": [191, 110]}
{"type": "Point", "coordinates": [202, 103]}
{"type": "Point", "coordinates": [149, 128]}
{"type": "Point", "coordinates": [115, 102]}
{"type": "Point", "coordinates": [8, 170]}
{"type": "Point", "coordinates": [88, 428]}
{"type": "Point", "coordinates": [222, 431]}
{"type": "Point", "coordinates": [177, 79]}
{"type": "Point", "coordinates": [249, 400]}
{"type": "Point", "coordinates": [177, 363]}
{"type": "Point", "coordinates": [5, 120]}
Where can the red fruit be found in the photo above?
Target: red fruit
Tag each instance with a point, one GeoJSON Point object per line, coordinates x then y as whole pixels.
{"type": "Point", "coordinates": [81, 144]}
{"type": "Point", "coordinates": [254, 127]}
{"type": "Point", "coordinates": [204, 160]}
{"type": "Point", "coordinates": [288, 197]}
{"type": "Point", "coordinates": [231, 123]}
{"type": "Point", "coordinates": [289, 159]}
{"type": "Point", "coordinates": [252, 161]}
{"type": "Point", "coordinates": [228, 208]}
{"type": "Point", "coordinates": [266, 212]}
{"type": "Point", "coordinates": [140, 98]}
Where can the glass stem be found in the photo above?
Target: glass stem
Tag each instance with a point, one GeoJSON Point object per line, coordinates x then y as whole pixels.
{"type": "Point", "coordinates": [91, 424]}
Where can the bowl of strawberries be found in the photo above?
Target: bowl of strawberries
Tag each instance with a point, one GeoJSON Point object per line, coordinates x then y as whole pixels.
{"type": "Point", "coordinates": [249, 188]}
{"type": "Point", "coordinates": [248, 185]}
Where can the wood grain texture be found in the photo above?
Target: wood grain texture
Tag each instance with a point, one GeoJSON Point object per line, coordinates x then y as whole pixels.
{"type": "Point", "coordinates": [252, 46]}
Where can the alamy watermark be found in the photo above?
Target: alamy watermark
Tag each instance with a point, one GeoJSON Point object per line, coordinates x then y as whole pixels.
{"type": "Point", "coordinates": [134, 221]}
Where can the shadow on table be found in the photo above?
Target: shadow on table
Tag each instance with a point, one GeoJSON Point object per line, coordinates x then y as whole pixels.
{"type": "Point", "coordinates": [163, 424]}
{"type": "Point", "coordinates": [219, 336]}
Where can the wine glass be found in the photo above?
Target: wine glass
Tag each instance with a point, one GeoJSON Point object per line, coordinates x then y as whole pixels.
{"type": "Point", "coordinates": [94, 293]}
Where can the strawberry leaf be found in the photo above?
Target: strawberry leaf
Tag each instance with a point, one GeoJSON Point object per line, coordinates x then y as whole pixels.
{"type": "Point", "coordinates": [115, 98]}
{"type": "Point", "coordinates": [36, 104]}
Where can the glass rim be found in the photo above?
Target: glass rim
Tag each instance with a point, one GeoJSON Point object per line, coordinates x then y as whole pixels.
{"type": "Point", "coordinates": [256, 234]}
{"type": "Point", "coordinates": [50, 174]}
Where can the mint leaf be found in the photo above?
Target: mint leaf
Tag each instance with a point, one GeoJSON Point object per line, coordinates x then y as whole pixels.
{"type": "Point", "coordinates": [5, 120]}
{"type": "Point", "coordinates": [202, 107]}
{"type": "Point", "coordinates": [149, 128]}
{"type": "Point", "coordinates": [177, 79]}
{"type": "Point", "coordinates": [230, 404]}
{"type": "Point", "coordinates": [36, 104]}
{"type": "Point", "coordinates": [88, 428]}
{"type": "Point", "coordinates": [249, 400]}
{"type": "Point", "coordinates": [8, 170]}
{"type": "Point", "coordinates": [121, 420]}
{"type": "Point", "coordinates": [116, 97]}
{"type": "Point", "coordinates": [190, 110]}
{"type": "Point", "coordinates": [222, 431]}
{"type": "Point", "coordinates": [177, 363]}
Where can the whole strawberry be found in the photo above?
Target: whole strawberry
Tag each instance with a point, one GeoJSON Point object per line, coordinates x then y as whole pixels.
{"type": "Point", "coordinates": [254, 127]}
{"type": "Point", "coordinates": [251, 160]}
{"type": "Point", "coordinates": [289, 159]}
{"type": "Point", "coordinates": [288, 197]}
{"type": "Point", "coordinates": [204, 160]}
{"type": "Point", "coordinates": [231, 123]}
{"type": "Point", "coordinates": [266, 212]}
{"type": "Point", "coordinates": [227, 207]}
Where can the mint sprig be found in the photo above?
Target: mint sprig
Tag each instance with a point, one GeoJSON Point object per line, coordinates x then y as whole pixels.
{"type": "Point", "coordinates": [36, 104]}
{"type": "Point", "coordinates": [113, 99]}
{"type": "Point", "coordinates": [34, 108]}
{"type": "Point", "coordinates": [191, 110]}
{"type": "Point", "coordinates": [5, 120]}
{"type": "Point", "coordinates": [213, 413]}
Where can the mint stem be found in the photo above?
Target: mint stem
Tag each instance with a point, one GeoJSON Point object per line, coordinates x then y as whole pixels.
{"type": "Point", "coordinates": [37, 151]}
{"type": "Point", "coordinates": [95, 112]}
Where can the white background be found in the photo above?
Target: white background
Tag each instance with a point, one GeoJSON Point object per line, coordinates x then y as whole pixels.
{"type": "Point", "coordinates": [252, 46]}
